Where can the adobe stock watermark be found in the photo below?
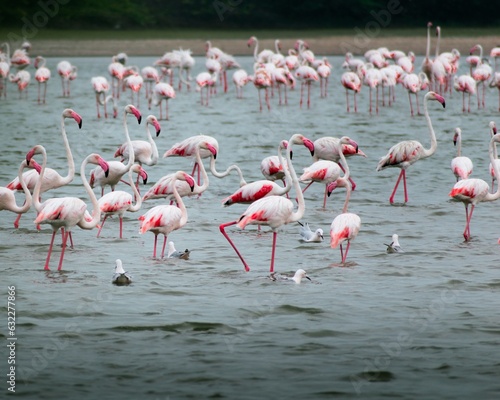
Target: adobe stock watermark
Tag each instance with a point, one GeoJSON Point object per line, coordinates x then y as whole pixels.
{"type": "Point", "coordinates": [418, 322]}
{"type": "Point", "coordinates": [381, 19]}
{"type": "Point", "coordinates": [47, 9]}
{"type": "Point", "coordinates": [225, 6]}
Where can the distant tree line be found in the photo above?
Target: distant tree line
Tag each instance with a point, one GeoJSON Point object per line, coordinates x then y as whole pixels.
{"type": "Point", "coordinates": [245, 14]}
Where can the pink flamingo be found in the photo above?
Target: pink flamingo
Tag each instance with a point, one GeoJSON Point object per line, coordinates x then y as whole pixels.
{"type": "Point", "coordinates": [272, 168]}
{"type": "Point", "coordinates": [306, 75]}
{"type": "Point", "coordinates": [101, 86]}
{"type": "Point", "coordinates": [67, 72]}
{"type": "Point", "coordinates": [150, 76]}
{"type": "Point", "coordinates": [411, 82]}
{"type": "Point", "coordinates": [20, 59]}
{"type": "Point", "coordinates": [116, 169]}
{"type": "Point", "coordinates": [165, 219]}
{"type": "Point", "coordinates": [274, 211]}
{"type": "Point", "coordinates": [327, 171]}
{"type": "Point", "coordinates": [205, 80]}
{"type": "Point", "coordinates": [373, 79]}
{"type": "Point", "coordinates": [493, 132]}
{"type": "Point", "coordinates": [345, 226]}
{"type": "Point", "coordinates": [481, 74]}
{"type": "Point", "coordinates": [262, 81]}
{"type": "Point", "coordinates": [350, 80]}
{"type": "Point", "coordinates": [495, 82]}
{"type": "Point", "coordinates": [22, 78]}
{"type": "Point", "coordinates": [51, 178]}
{"type": "Point", "coordinates": [163, 188]}
{"type": "Point", "coordinates": [187, 148]}
{"type": "Point", "coordinates": [263, 188]}
{"type": "Point", "coordinates": [65, 212]}
{"type": "Point", "coordinates": [8, 199]}
{"type": "Point", "coordinates": [465, 84]}
{"type": "Point", "coordinates": [461, 166]}
{"type": "Point", "coordinates": [42, 75]}
{"type": "Point", "coordinates": [4, 74]}
{"type": "Point", "coordinates": [324, 71]}
{"type": "Point", "coordinates": [472, 191]}
{"type": "Point", "coordinates": [134, 82]}
{"type": "Point", "coordinates": [118, 72]}
{"type": "Point", "coordinates": [119, 201]}
{"type": "Point", "coordinates": [240, 79]}
{"type": "Point", "coordinates": [406, 153]}
{"type": "Point", "coordinates": [427, 62]}
{"type": "Point", "coordinates": [162, 91]}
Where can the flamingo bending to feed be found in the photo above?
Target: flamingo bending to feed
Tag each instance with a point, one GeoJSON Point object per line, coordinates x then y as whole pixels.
{"type": "Point", "coordinates": [65, 212]}
{"type": "Point", "coordinates": [8, 199]}
{"type": "Point", "coordinates": [326, 171]}
{"type": "Point", "coordinates": [42, 75]}
{"type": "Point", "coordinates": [472, 191]}
{"type": "Point", "coordinates": [67, 72]}
{"type": "Point", "coordinates": [119, 202]}
{"type": "Point", "coordinates": [116, 168]}
{"type": "Point", "coordinates": [258, 189]}
{"type": "Point", "coordinates": [406, 153]}
{"type": "Point", "coordinates": [101, 86]}
{"type": "Point", "coordinates": [274, 211]}
{"type": "Point", "coordinates": [460, 165]}
{"type": "Point", "coordinates": [51, 178]}
{"type": "Point", "coordinates": [345, 226]}
{"type": "Point", "coordinates": [166, 218]}
{"type": "Point", "coordinates": [22, 79]}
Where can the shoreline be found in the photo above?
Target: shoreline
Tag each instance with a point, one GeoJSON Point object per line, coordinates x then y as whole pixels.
{"type": "Point", "coordinates": [334, 46]}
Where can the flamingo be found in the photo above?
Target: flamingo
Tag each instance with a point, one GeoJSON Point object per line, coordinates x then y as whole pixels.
{"type": "Point", "coordinates": [150, 76]}
{"type": "Point", "coordinates": [117, 71]}
{"type": "Point", "coordinates": [306, 75]}
{"type": "Point", "coordinates": [22, 78]}
{"type": "Point", "coordinates": [161, 91]}
{"type": "Point", "coordinates": [406, 153]}
{"type": "Point", "coordinates": [350, 80]}
{"type": "Point", "coordinates": [373, 79]}
{"type": "Point", "coordinates": [495, 53]}
{"type": "Point", "coordinates": [42, 75]}
{"type": "Point", "coordinates": [263, 188]}
{"type": "Point", "coordinates": [208, 81]}
{"type": "Point", "coordinates": [493, 132]}
{"type": "Point", "coordinates": [51, 178]}
{"type": "Point", "coordinates": [274, 211]}
{"type": "Point", "coordinates": [165, 219]}
{"type": "Point", "coordinates": [461, 166]}
{"type": "Point", "coordinates": [481, 74]}
{"type": "Point", "coordinates": [282, 77]}
{"type": "Point", "coordinates": [20, 59]}
{"type": "Point", "coordinates": [65, 212]}
{"type": "Point", "coordinates": [495, 82]}
{"type": "Point", "coordinates": [134, 82]}
{"type": "Point", "coordinates": [240, 79]}
{"type": "Point", "coordinates": [101, 86]}
{"type": "Point", "coordinates": [272, 168]}
{"type": "Point", "coordinates": [4, 74]}
{"type": "Point", "coordinates": [465, 84]}
{"type": "Point", "coordinates": [67, 72]}
{"type": "Point", "coordinates": [116, 168]}
{"type": "Point", "coordinates": [472, 191]}
{"type": "Point", "coordinates": [187, 148]}
{"type": "Point", "coordinates": [186, 64]}
{"type": "Point", "coordinates": [119, 201]}
{"type": "Point", "coordinates": [262, 80]}
{"type": "Point", "coordinates": [8, 199]}
{"type": "Point", "coordinates": [412, 83]}
{"type": "Point", "coordinates": [327, 171]}
{"type": "Point", "coordinates": [263, 56]}
{"type": "Point", "coordinates": [164, 186]}
{"type": "Point", "coordinates": [345, 226]}
{"type": "Point", "coordinates": [324, 71]}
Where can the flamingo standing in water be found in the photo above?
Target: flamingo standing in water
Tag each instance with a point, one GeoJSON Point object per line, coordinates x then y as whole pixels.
{"type": "Point", "coordinates": [4, 71]}
{"type": "Point", "coordinates": [8, 199]}
{"type": "Point", "coordinates": [67, 72]}
{"type": "Point", "coordinates": [22, 79]}
{"type": "Point", "coordinates": [465, 84]}
{"type": "Point", "coordinates": [162, 91]}
{"type": "Point", "coordinates": [42, 75]}
{"type": "Point", "coordinates": [495, 82]}
{"type": "Point", "coordinates": [51, 178]}
{"type": "Point", "coordinates": [472, 191]}
{"type": "Point", "coordinates": [493, 132]}
{"type": "Point", "coordinates": [150, 76]}
{"type": "Point", "coordinates": [240, 79]}
{"type": "Point", "coordinates": [258, 189]}
{"type": "Point", "coordinates": [274, 211]}
{"type": "Point", "coordinates": [307, 75]}
{"type": "Point", "coordinates": [134, 82]}
{"type": "Point", "coordinates": [65, 212]}
{"type": "Point", "coordinates": [166, 218]}
{"type": "Point", "coordinates": [262, 81]}
{"type": "Point", "coordinates": [461, 166]}
{"type": "Point", "coordinates": [101, 86]}
{"type": "Point", "coordinates": [119, 201]}
{"type": "Point", "coordinates": [272, 168]}
{"type": "Point", "coordinates": [406, 153]}
{"type": "Point", "coordinates": [116, 169]}
{"type": "Point", "coordinates": [350, 80]}
{"type": "Point", "coordinates": [345, 226]}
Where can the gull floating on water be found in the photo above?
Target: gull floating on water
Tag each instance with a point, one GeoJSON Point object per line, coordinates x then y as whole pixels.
{"type": "Point", "coordinates": [297, 278]}
{"type": "Point", "coordinates": [173, 253]}
{"type": "Point", "coordinates": [121, 277]}
{"type": "Point", "coordinates": [394, 247]}
{"type": "Point", "coordinates": [307, 235]}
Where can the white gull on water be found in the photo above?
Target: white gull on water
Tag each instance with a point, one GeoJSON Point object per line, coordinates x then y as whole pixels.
{"type": "Point", "coordinates": [121, 277]}
{"type": "Point", "coordinates": [307, 235]}
{"type": "Point", "coordinates": [394, 246]}
{"type": "Point", "coordinates": [297, 278]}
{"type": "Point", "coordinates": [173, 253]}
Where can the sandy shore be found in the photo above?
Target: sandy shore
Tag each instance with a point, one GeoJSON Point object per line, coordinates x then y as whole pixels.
{"type": "Point", "coordinates": [337, 45]}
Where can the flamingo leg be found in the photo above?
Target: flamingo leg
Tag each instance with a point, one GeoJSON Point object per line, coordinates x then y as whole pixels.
{"type": "Point", "coordinates": [260, 102]}
{"type": "Point", "coordinates": [418, 106]}
{"type": "Point", "coordinates": [154, 248]}
{"type": "Point", "coordinates": [47, 260]}
{"type": "Point", "coordinates": [411, 105]}
{"type": "Point", "coordinates": [324, 198]}
{"type": "Point", "coordinates": [61, 258]}
{"type": "Point", "coordinates": [355, 103]}
{"type": "Point", "coordinates": [301, 93]}
{"type": "Point", "coordinates": [347, 99]}
{"type": "Point", "coordinates": [273, 252]}
{"type": "Point", "coordinates": [18, 218]}
{"type": "Point", "coordinates": [404, 185]}
{"type": "Point", "coordinates": [346, 251]}
{"type": "Point", "coordinates": [391, 199]}
{"type": "Point", "coordinates": [307, 186]}
{"type": "Point", "coordinates": [222, 228]}
{"type": "Point", "coordinates": [467, 227]}
{"type": "Point", "coordinates": [267, 100]}
{"type": "Point", "coordinates": [121, 227]}
{"type": "Point", "coordinates": [341, 253]}
{"type": "Point", "coordinates": [100, 228]}
{"type": "Point", "coordinates": [308, 95]}
{"type": "Point", "coordinates": [163, 247]}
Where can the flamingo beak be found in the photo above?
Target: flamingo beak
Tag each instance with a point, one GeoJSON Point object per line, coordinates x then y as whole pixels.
{"type": "Point", "coordinates": [157, 127]}
{"type": "Point", "coordinates": [104, 165]}
{"type": "Point", "coordinates": [78, 119]}
{"type": "Point", "coordinates": [144, 176]}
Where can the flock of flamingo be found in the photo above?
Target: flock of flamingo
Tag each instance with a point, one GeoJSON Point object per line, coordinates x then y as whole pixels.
{"type": "Point", "coordinates": [269, 202]}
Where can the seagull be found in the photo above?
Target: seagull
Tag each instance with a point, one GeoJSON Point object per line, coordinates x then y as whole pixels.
{"type": "Point", "coordinates": [394, 247]}
{"type": "Point", "coordinates": [121, 277]}
{"type": "Point", "coordinates": [307, 235]}
{"type": "Point", "coordinates": [173, 253]}
{"type": "Point", "coordinates": [297, 278]}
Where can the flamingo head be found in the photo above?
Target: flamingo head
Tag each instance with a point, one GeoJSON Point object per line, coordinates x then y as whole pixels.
{"type": "Point", "coordinates": [348, 140]}
{"type": "Point", "coordinates": [473, 49]}
{"type": "Point", "coordinates": [69, 113]}
{"type": "Point", "coordinates": [251, 41]}
{"type": "Point", "coordinates": [300, 139]}
{"type": "Point", "coordinates": [429, 24]}
{"type": "Point", "coordinates": [456, 136]}
{"type": "Point", "coordinates": [38, 149]}
{"type": "Point", "coordinates": [493, 127]}
{"type": "Point", "coordinates": [131, 109]}
{"type": "Point", "coordinates": [152, 120]}
{"type": "Point", "coordinates": [435, 96]}
{"type": "Point", "coordinates": [340, 182]}
{"type": "Point", "coordinates": [207, 146]}
{"type": "Point", "coordinates": [98, 160]}
{"type": "Point", "coordinates": [141, 172]}
{"type": "Point", "coordinates": [185, 177]}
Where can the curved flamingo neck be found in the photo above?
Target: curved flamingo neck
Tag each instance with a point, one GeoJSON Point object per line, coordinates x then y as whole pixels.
{"type": "Point", "coordinates": [288, 177]}
{"type": "Point", "coordinates": [428, 49]}
{"type": "Point", "coordinates": [203, 171]}
{"type": "Point", "coordinates": [137, 196]}
{"type": "Point", "coordinates": [495, 154]}
{"type": "Point", "coordinates": [256, 48]}
{"type": "Point", "coordinates": [496, 195]}
{"type": "Point", "coordinates": [71, 163]}
{"type": "Point", "coordinates": [218, 174]}
{"type": "Point", "coordinates": [343, 160]}
{"type": "Point", "coordinates": [38, 185]}
{"type": "Point", "coordinates": [438, 33]}
{"type": "Point", "coordinates": [459, 144]}
{"type": "Point", "coordinates": [131, 155]}
{"type": "Point", "coordinates": [96, 211]}
{"type": "Point", "coordinates": [429, 152]}
{"type": "Point", "coordinates": [348, 188]}
{"type": "Point", "coordinates": [180, 203]}
{"type": "Point", "coordinates": [27, 204]}
{"type": "Point", "coordinates": [154, 148]}
{"type": "Point", "coordinates": [297, 215]}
